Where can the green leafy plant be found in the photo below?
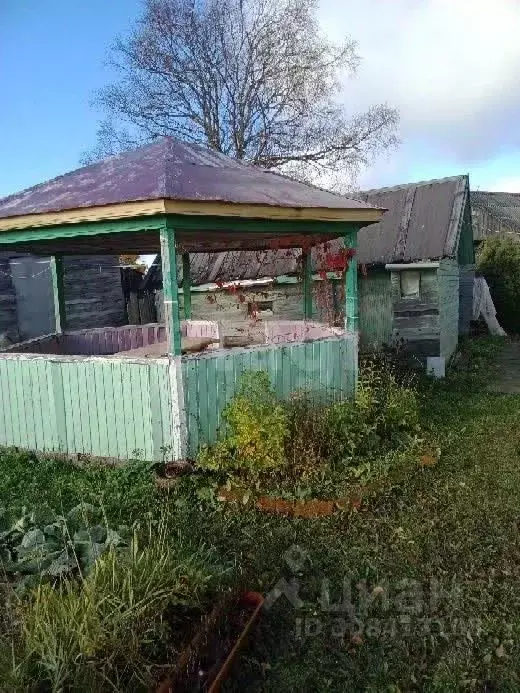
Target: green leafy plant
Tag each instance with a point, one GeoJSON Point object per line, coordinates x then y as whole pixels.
{"type": "Point", "coordinates": [257, 428]}
{"type": "Point", "coordinates": [499, 261]}
{"type": "Point", "coordinates": [118, 625]}
{"type": "Point", "coordinates": [42, 546]}
{"type": "Point", "coordinates": [383, 415]}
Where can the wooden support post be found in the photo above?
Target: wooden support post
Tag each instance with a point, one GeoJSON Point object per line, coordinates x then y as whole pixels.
{"type": "Point", "coordinates": [307, 283]}
{"type": "Point", "coordinates": [186, 285]}
{"type": "Point", "coordinates": [170, 290]}
{"type": "Point", "coordinates": [58, 293]}
{"type": "Point", "coordinates": [351, 287]}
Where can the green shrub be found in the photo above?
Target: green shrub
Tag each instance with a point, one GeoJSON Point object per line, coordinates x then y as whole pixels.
{"type": "Point", "coordinates": [256, 427]}
{"type": "Point", "coordinates": [383, 415]}
{"type": "Point", "coordinates": [499, 261]}
{"type": "Point", "coordinates": [298, 439]}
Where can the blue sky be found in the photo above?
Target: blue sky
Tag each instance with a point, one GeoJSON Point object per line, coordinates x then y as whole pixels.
{"type": "Point", "coordinates": [459, 101]}
{"type": "Point", "coordinates": [52, 56]}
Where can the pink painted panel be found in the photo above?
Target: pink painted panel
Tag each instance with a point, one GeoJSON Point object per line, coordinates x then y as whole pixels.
{"type": "Point", "coordinates": [286, 331]}
{"type": "Point", "coordinates": [202, 328]}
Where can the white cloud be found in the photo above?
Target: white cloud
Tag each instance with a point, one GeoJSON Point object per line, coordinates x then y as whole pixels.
{"type": "Point", "coordinates": [452, 68]}
{"type": "Point", "coordinates": [508, 184]}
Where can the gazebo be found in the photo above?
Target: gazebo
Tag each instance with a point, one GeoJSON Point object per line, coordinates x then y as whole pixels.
{"type": "Point", "coordinates": [145, 390]}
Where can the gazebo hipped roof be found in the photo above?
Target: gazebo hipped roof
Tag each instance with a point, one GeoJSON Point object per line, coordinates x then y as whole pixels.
{"type": "Point", "coordinates": [215, 203]}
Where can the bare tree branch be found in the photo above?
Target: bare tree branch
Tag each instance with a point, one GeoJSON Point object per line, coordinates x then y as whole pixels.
{"type": "Point", "coordinates": [253, 79]}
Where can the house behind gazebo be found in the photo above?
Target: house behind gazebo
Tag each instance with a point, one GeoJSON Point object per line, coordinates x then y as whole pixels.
{"type": "Point", "coordinates": [416, 270]}
{"type": "Point", "coordinates": [159, 390]}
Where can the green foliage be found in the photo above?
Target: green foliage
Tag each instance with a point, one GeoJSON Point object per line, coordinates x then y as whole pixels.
{"type": "Point", "coordinates": [41, 546]}
{"type": "Point", "coordinates": [26, 480]}
{"type": "Point", "coordinates": [257, 428]}
{"type": "Point", "coordinates": [499, 262]}
{"type": "Point", "coordinates": [383, 416]}
{"type": "Point", "coordinates": [109, 630]}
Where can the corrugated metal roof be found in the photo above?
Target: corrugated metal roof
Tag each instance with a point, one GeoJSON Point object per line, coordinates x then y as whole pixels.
{"type": "Point", "coordinates": [173, 170]}
{"type": "Point", "coordinates": [502, 206]}
{"type": "Point", "coordinates": [423, 222]}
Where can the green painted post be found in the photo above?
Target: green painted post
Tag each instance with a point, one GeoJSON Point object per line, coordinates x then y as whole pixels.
{"type": "Point", "coordinates": [58, 293]}
{"type": "Point", "coordinates": [170, 290]}
{"type": "Point", "coordinates": [307, 283]}
{"type": "Point", "coordinates": [351, 287]}
{"type": "Point", "coordinates": [186, 285]}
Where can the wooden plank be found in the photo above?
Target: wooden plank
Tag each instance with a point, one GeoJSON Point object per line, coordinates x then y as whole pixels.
{"type": "Point", "coordinates": [155, 413]}
{"type": "Point", "coordinates": [171, 290]}
{"type": "Point", "coordinates": [186, 285]}
{"type": "Point", "coordinates": [307, 283]}
{"type": "Point", "coordinates": [56, 267]}
{"type": "Point", "coordinates": [351, 288]}
{"type": "Point", "coordinates": [103, 405]}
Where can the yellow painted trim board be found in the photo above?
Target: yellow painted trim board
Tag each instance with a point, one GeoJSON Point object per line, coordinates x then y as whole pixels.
{"type": "Point", "coordinates": [191, 208]}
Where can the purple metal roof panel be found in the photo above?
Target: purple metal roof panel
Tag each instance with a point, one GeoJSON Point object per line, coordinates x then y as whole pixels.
{"type": "Point", "coordinates": [173, 170]}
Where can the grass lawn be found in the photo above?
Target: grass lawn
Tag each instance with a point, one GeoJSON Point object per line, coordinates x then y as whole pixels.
{"type": "Point", "coordinates": [432, 564]}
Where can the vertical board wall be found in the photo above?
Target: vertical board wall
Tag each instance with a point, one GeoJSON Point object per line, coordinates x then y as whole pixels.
{"type": "Point", "coordinates": [325, 368]}
{"type": "Point", "coordinates": [375, 309]}
{"type": "Point", "coordinates": [92, 406]}
{"type": "Point", "coordinates": [448, 276]}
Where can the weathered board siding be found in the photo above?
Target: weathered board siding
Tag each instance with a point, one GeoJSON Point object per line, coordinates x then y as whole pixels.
{"type": "Point", "coordinates": [92, 406]}
{"type": "Point", "coordinates": [93, 291]}
{"type": "Point", "coordinates": [466, 281]}
{"type": "Point", "coordinates": [375, 309]}
{"type": "Point", "coordinates": [93, 294]}
{"type": "Point", "coordinates": [8, 320]}
{"type": "Point", "coordinates": [448, 278]}
{"type": "Point", "coordinates": [326, 368]}
{"type": "Point", "coordinates": [416, 321]}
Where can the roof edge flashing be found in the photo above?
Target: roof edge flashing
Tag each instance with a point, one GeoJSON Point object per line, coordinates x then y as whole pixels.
{"type": "Point", "coordinates": [400, 267]}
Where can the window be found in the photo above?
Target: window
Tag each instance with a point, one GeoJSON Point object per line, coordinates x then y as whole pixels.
{"type": "Point", "coordinates": [410, 284]}
{"type": "Point", "coordinates": [260, 309]}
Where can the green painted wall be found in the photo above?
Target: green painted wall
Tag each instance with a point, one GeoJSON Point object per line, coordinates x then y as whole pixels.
{"type": "Point", "coordinates": [325, 368]}
{"type": "Point", "coordinates": [448, 277]}
{"type": "Point", "coordinates": [375, 309]}
{"type": "Point", "coordinates": [94, 406]}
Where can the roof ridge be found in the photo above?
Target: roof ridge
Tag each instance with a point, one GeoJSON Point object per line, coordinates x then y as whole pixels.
{"type": "Point", "coordinates": [403, 186]}
{"type": "Point", "coordinates": [311, 185]}
{"type": "Point", "coordinates": [494, 192]}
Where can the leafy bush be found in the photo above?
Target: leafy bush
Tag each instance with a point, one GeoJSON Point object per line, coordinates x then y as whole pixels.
{"type": "Point", "coordinates": [42, 546]}
{"type": "Point", "coordinates": [112, 629]}
{"type": "Point", "coordinates": [256, 426]}
{"type": "Point", "coordinates": [383, 415]}
{"type": "Point", "coordinates": [298, 440]}
{"type": "Point", "coordinates": [499, 261]}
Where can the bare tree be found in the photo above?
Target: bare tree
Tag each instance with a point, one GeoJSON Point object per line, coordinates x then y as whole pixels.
{"type": "Point", "coordinates": [254, 79]}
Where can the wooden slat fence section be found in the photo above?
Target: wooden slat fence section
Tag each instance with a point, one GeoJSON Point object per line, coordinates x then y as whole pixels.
{"type": "Point", "coordinates": [98, 407]}
{"type": "Point", "coordinates": [325, 368]}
